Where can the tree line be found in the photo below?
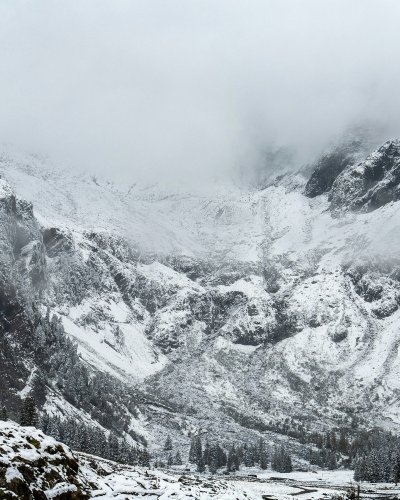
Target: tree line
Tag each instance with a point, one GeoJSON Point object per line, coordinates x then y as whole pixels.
{"type": "Point", "coordinates": [81, 437]}
{"type": "Point", "coordinates": [213, 456]}
{"type": "Point", "coordinates": [375, 454]}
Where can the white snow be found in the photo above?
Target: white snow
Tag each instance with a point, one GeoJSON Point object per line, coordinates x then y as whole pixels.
{"type": "Point", "coordinates": [138, 360]}
{"type": "Point", "coordinates": [13, 473]}
{"type": "Point", "coordinates": [60, 489]}
{"type": "Point", "coordinates": [5, 189]}
{"type": "Point", "coordinates": [28, 386]}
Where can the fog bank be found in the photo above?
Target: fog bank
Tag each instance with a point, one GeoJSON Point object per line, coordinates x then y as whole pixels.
{"type": "Point", "coordinates": [169, 90]}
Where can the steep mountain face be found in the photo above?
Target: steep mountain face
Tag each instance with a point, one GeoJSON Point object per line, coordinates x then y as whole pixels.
{"type": "Point", "coordinates": [328, 167]}
{"type": "Point", "coordinates": [353, 147]}
{"type": "Point", "coordinates": [36, 356]}
{"type": "Point", "coordinates": [370, 184]}
{"type": "Point", "coordinates": [229, 310]}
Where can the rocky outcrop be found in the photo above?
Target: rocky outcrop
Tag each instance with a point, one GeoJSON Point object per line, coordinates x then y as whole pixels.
{"type": "Point", "coordinates": [37, 467]}
{"type": "Point", "coordinates": [357, 185]}
{"type": "Point", "coordinates": [326, 170]}
{"type": "Point", "coordinates": [352, 148]}
{"type": "Point", "coordinates": [370, 184]}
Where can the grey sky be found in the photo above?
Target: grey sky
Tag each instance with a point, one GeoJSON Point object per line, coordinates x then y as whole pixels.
{"type": "Point", "coordinates": [174, 89]}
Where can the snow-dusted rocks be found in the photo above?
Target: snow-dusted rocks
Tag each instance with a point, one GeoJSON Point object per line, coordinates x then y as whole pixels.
{"type": "Point", "coordinates": [370, 184]}
{"type": "Point", "coordinates": [328, 167]}
{"type": "Point", "coordinates": [35, 466]}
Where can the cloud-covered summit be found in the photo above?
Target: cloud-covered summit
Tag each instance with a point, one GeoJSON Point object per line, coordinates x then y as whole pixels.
{"type": "Point", "coordinates": [193, 90]}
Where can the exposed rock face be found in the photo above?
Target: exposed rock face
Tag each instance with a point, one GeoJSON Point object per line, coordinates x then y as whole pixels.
{"type": "Point", "coordinates": [22, 274]}
{"type": "Point", "coordinates": [328, 167]}
{"type": "Point", "coordinates": [352, 148]}
{"type": "Point", "coordinates": [56, 241]}
{"type": "Point", "coordinates": [370, 184]}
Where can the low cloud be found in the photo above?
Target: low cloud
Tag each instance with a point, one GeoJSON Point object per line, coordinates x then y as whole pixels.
{"type": "Point", "coordinates": [170, 90]}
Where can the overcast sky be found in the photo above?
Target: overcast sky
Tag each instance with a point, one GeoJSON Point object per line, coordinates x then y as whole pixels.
{"type": "Point", "coordinates": [174, 89]}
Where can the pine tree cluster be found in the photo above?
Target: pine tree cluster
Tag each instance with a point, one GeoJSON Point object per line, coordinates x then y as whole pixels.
{"type": "Point", "coordinates": [100, 395]}
{"type": "Point", "coordinates": [281, 460]}
{"type": "Point", "coordinates": [58, 366]}
{"type": "Point", "coordinates": [376, 457]}
{"type": "Point", "coordinates": [332, 447]}
{"type": "Point", "coordinates": [93, 440]}
{"type": "Point", "coordinates": [232, 456]}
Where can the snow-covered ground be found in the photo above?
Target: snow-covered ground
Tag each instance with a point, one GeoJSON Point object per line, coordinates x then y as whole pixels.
{"type": "Point", "coordinates": [124, 482]}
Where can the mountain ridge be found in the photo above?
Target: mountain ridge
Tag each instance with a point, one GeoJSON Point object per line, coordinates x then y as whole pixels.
{"type": "Point", "coordinates": [243, 308]}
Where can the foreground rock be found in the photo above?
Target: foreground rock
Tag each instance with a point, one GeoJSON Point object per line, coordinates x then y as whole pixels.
{"type": "Point", "coordinates": [35, 466]}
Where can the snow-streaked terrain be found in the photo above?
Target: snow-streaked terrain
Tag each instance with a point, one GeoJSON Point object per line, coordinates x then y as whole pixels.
{"type": "Point", "coordinates": [265, 302]}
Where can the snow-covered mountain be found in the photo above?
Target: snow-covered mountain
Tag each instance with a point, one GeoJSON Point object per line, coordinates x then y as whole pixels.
{"type": "Point", "coordinates": [227, 311]}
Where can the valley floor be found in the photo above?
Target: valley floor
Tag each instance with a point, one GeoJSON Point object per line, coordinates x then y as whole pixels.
{"type": "Point", "coordinates": [124, 482]}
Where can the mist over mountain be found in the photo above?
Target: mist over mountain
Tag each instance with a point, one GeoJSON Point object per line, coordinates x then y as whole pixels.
{"type": "Point", "coordinates": [193, 91]}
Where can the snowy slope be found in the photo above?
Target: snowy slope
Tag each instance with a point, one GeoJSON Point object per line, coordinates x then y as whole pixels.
{"type": "Point", "coordinates": [230, 303]}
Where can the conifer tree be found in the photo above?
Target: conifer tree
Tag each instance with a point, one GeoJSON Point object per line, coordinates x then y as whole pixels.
{"type": "Point", "coordinates": [264, 459]}
{"type": "Point", "coordinates": [192, 451]}
{"type": "Point", "coordinates": [359, 469]}
{"type": "Point", "coordinates": [395, 472]}
{"type": "Point", "coordinates": [53, 428]}
{"type": "Point", "coordinates": [200, 464]}
{"type": "Point", "coordinates": [233, 461]}
{"type": "Point", "coordinates": [222, 458]}
{"type": "Point", "coordinates": [145, 458]}
{"type": "Point", "coordinates": [206, 453]}
{"type": "Point", "coordinates": [168, 444]}
{"type": "Point", "coordinates": [328, 444]}
{"type": "Point", "coordinates": [281, 460]}
{"type": "Point", "coordinates": [331, 462]}
{"type": "Point", "coordinates": [213, 459]}
{"type": "Point", "coordinates": [343, 445]}
{"type": "Point", "coordinates": [248, 457]}
{"type": "Point", "coordinates": [3, 413]}
{"type": "Point", "coordinates": [199, 450]}
{"type": "Point", "coordinates": [178, 459]}
{"type": "Point", "coordinates": [334, 443]}
{"type": "Point", "coordinates": [29, 416]}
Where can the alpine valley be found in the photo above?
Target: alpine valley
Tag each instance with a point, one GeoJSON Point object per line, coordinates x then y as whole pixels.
{"type": "Point", "coordinates": [236, 313]}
